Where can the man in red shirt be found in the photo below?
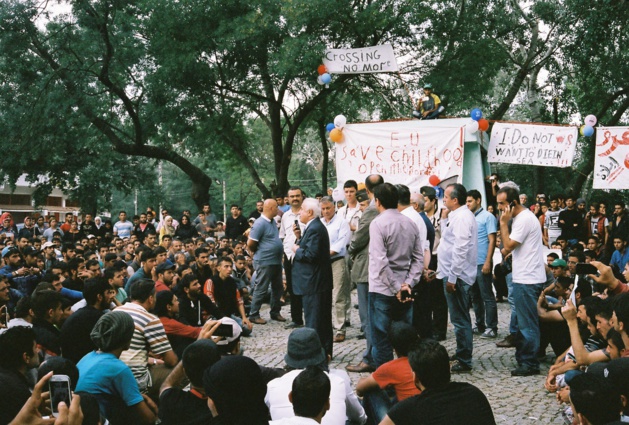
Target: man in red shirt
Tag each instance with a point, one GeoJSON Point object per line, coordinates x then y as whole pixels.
{"type": "Point", "coordinates": [166, 277]}
{"type": "Point", "coordinates": [395, 374]}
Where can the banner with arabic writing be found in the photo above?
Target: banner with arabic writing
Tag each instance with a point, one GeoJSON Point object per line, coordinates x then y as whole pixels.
{"type": "Point", "coordinates": [612, 158]}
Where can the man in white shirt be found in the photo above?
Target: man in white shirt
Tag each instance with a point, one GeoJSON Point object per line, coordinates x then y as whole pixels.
{"type": "Point", "coordinates": [310, 397]}
{"type": "Point", "coordinates": [524, 241]}
{"type": "Point", "coordinates": [290, 219]}
{"type": "Point", "coordinates": [457, 256]}
{"type": "Point", "coordinates": [339, 233]}
{"type": "Point", "coordinates": [304, 349]}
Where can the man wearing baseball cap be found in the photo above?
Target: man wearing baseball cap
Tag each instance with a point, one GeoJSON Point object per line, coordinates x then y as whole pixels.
{"type": "Point", "coordinates": [429, 105]}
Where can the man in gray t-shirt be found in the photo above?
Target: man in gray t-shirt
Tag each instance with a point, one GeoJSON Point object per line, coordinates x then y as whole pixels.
{"type": "Point", "coordinates": [264, 241]}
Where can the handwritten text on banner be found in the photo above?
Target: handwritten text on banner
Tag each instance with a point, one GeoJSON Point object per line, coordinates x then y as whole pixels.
{"type": "Point", "coordinates": [361, 61]}
{"type": "Point", "coordinates": [612, 158]}
{"type": "Point", "coordinates": [530, 144]}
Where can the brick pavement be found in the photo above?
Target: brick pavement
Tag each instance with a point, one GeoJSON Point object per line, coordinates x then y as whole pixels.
{"type": "Point", "coordinates": [520, 401]}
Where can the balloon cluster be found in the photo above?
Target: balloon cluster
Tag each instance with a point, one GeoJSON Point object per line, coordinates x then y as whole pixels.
{"type": "Point", "coordinates": [478, 122]}
{"type": "Point", "coordinates": [324, 76]}
{"type": "Point", "coordinates": [336, 128]}
{"type": "Point", "coordinates": [587, 130]}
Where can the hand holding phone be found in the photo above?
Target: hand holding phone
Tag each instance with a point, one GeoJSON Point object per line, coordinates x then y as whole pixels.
{"type": "Point", "coordinates": [59, 387]}
{"type": "Point", "coordinates": [585, 268]}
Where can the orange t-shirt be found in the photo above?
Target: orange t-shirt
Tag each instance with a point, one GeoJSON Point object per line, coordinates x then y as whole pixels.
{"type": "Point", "coordinates": [397, 373]}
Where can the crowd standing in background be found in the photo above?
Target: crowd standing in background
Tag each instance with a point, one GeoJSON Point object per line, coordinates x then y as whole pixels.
{"type": "Point", "coordinates": [148, 316]}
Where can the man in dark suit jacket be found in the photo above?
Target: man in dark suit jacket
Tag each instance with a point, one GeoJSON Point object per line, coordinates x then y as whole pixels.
{"type": "Point", "coordinates": [312, 272]}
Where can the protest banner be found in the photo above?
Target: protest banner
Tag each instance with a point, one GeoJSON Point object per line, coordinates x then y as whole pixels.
{"type": "Point", "coordinates": [361, 61]}
{"type": "Point", "coordinates": [403, 152]}
{"type": "Point", "coordinates": [612, 158]}
{"type": "Point", "coordinates": [532, 144]}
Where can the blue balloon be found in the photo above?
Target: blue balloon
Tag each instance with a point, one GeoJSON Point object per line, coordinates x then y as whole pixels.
{"type": "Point", "coordinates": [439, 191]}
{"type": "Point", "coordinates": [588, 130]}
{"type": "Point", "coordinates": [326, 78]}
{"type": "Point", "coordinates": [329, 127]}
{"type": "Point", "coordinates": [476, 114]}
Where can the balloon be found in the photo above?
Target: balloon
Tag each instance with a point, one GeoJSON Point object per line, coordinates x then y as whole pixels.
{"type": "Point", "coordinates": [581, 130]}
{"type": "Point", "coordinates": [322, 69]}
{"type": "Point", "coordinates": [336, 135]}
{"type": "Point", "coordinates": [340, 121]}
{"type": "Point", "coordinates": [590, 120]}
{"type": "Point", "coordinates": [326, 78]}
{"type": "Point", "coordinates": [338, 194]}
{"type": "Point", "coordinates": [439, 191]}
{"type": "Point", "coordinates": [329, 127]}
{"type": "Point", "coordinates": [472, 127]}
{"type": "Point", "coordinates": [320, 81]}
{"type": "Point", "coordinates": [588, 130]}
{"type": "Point", "coordinates": [483, 124]}
{"type": "Point", "coordinates": [476, 114]}
{"type": "Point", "coordinates": [434, 180]}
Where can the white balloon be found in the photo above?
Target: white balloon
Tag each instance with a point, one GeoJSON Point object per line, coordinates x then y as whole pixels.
{"type": "Point", "coordinates": [590, 120]}
{"type": "Point", "coordinates": [338, 194]}
{"type": "Point", "coordinates": [319, 80]}
{"type": "Point", "coordinates": [340, 121]}
{"type": "Point", "coordinates": [472, 127]}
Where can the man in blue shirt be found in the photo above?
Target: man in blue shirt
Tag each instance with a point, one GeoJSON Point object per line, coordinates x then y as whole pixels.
{"type": "Point", "coordinates": [620, 257]}
{"type": "Point", "coordinates": [264, 241]}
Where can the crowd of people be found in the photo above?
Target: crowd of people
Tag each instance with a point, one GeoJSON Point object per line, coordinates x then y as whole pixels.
{"type": "Point", "coordinates": [146, 316]}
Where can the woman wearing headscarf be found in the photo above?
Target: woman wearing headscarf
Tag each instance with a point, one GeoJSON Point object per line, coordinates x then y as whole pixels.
{"type": "Point", "coordinates": [99, 227]}
{"type": "Point", "coordinates": [186, 230]}
{"type": "Point", "coordinates": [236, 388]}
{"type": "Point", "coordinates": [7, 226]}
{"type": "Point", "coordinates": [104, 375]}
{"type": "Point", "coordinates": [167, 228]}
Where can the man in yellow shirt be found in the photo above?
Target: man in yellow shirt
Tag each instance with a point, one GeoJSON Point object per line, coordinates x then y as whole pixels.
{"type": "Point", "coordinates": [429, 105]}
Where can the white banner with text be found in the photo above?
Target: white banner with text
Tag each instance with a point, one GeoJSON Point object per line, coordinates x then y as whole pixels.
{"type": "Point", "coordinates": [532, 144]}
{"type": "Point", "coordinates": [403, 152]}
{"type": "Point", "coordinates": [612, 158]}
{"type": "Point", "coordinates": [361, 61]}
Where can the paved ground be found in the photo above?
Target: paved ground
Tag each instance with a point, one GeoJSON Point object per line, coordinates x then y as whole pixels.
{"type": "Point", "coordinates": [520, 401]}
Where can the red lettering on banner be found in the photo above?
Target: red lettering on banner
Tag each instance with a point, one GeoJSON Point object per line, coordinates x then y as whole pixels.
{"type": "Point", "coordinates": [394, 139]}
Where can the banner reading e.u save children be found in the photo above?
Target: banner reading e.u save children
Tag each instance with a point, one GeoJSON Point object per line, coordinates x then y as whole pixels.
{"type": "Point", "coordinates": [532, 144]}
{"type": "Point", "coordinates": [403, 152]}
{"type": "Point", "coordinates": [612, 158]}
{"type": "Point", "coordinates": [361, 61]}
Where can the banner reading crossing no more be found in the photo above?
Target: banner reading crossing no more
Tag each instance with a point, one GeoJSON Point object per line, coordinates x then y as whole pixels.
{"type": "Point", "coordinates": [361, 61]}
{"type": "Point", "coordinates": [531, 144]}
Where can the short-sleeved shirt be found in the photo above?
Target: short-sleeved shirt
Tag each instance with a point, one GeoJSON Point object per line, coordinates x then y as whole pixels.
{"type": "Point", "coordinates": [456, 403]}
{"type": "Point", "coordinates": [528, 257]}
{"type": "Point", "coordinates": [487, 225]}
{"type": "Point", "coordinates": [123, 228]}
{"type": "Point", "coordinates": [149, 334]}
{"type": "Point", "coordinates": [551, 223]}
{"type": "Point", "coordinates": [399, 375]}
{"type": "Point", "coordinates": [270, 248]}
{"type": "Point", "coordinates": [104, 376]}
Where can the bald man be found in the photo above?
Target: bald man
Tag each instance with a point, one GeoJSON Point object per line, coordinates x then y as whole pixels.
{"type": "Point", "coordinates": [264, 241]}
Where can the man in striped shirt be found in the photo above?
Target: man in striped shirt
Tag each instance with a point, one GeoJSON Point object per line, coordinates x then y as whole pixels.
{"type": "Point", "coordinates": [149, 335]}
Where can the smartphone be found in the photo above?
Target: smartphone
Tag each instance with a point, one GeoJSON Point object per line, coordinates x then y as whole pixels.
{"type": "Point", "coordinates": [585, 268]}
{"type": "Point", "coordinates": [431, 274]}
{"type": "Point", "coordinates": [59, 387]}
{"type": "Point", "coordinates": [297, 223]}
{"type": "Point", "coordinates": [406, 295]}
{"type": "Point", "coordinates": [224, 330]}
{"type": "Point", "coordinates": [512, 205]}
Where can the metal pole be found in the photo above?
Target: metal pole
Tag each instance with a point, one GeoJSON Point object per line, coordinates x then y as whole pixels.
{"type": "Point", "coordinates": [224, 201]}
{"type": "Point", "coordinates": [135, 202]}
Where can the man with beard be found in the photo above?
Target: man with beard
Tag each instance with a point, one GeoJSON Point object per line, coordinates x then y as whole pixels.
{"type": "Point", "coordinates": [143, 228]}
{"type": "Point", "coordinates": [166, 277]}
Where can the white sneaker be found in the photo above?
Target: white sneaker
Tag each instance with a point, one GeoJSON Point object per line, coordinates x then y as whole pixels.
{"type": "Point", "coordinates": [489, 333]}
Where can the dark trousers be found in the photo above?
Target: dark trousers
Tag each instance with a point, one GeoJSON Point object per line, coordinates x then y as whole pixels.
{"type": "Point", "coordinates": [422, 312]}
{"type": "Point", "coordinates": [438, 304]}
{"type": "Point", "coordinates": [296, 305]}
{"type": "Point", "coordinates": [318, 315]}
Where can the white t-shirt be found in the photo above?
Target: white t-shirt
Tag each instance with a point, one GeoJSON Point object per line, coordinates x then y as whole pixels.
{"type": "Point", "coordinates": [528, 257]}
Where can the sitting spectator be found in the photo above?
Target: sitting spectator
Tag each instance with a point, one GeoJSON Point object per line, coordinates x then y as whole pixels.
{"type": "Point", "coordinates": [223, 291]}
{"type": "Point", "coordinates": [304, 349]}
{"type": "Point", "coordinates": [115, 276]}
{"type": "Point", "coordinates": [441, 401]}
{"type": "Point", "coordinates": [613, 286]}
{"type": "Point", "coordinates": [594, 401]}
{"type": "Point", "coordinates": [620, 319]}
{"type": "Point", "coordinates": [194, 306]}
{"type": "Point", "coordinates": [177, 406]}
{"type": "Point", "coordinates": [102, 374]}
{"type": "Point", "coordinates": [235, 390]}
{"type": "Point", "coordinates": [48, 312]}
{"type": "Point", "coordinates": [396, 374]}
{"type": "Point", "coordinates": [75, 332]}
{"type": "Point", "coordinates": [180, 335]}
{"type": "Point", "coordinates": [166, 277]}
{"type": "Point", "coordinates": [149, 335]}
{"type": "Point", "coordinates": [310, 397]}
{"type": "Point", "coordinates": [18, 355]}
{"type": "Point", "coordinates": [23, 314]}
{"type": "Point", "coordinates": [149, 259]}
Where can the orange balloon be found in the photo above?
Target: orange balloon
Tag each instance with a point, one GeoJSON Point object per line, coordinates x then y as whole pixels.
{"type": "Point", "coordinates": [336, 135]}
{"type": "Point", "coordinates": [483, 124]}
{"type": "Point", "coordinates": [322, 69]}
{"type": "Point", "coordinates": [434, 180]}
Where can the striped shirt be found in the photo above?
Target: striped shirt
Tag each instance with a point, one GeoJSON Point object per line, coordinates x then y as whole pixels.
{"type": "Point", "coordinates": [149, 334]}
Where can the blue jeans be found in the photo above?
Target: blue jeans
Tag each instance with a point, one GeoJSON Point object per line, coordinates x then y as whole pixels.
{"type": "Point", "coordinates": [377, 403]}
{"type": "Point", "coordinates": [484, 301]}
{"type": "Point", "coordinates": [384, 310]}
{"type": "Point", "coordinates": [245, 330]}
{"type": "Point", "coordinates": [513, 323]}
{"type": "Point", "coordinates": [527, 344]}
{"type": "Point", "coordinates": [267, 277]}
{"type": "Point", "coordinates": [459, 307]}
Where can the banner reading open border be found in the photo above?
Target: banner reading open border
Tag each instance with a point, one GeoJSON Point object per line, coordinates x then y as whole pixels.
{"type": "Point", "coordinates": [403, 152]}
